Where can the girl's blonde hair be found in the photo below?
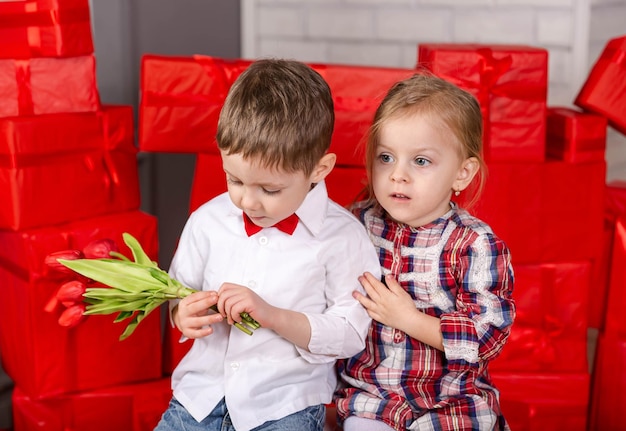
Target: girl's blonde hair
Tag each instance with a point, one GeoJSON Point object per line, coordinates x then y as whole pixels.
{"type": "Point", "coordinates": [451, 108]}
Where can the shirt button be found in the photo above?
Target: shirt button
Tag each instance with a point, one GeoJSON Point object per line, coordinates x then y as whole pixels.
{"type": "Point", "coordinates": [234, 366]}
{"type": "Point", "coordinates": [263, 240]}
{"type": "Point", "coordinates": [398, 336]}
{"type": "Point", "coordinates": [252, 284]}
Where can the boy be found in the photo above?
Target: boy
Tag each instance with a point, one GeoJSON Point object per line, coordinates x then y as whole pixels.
{"type": "Point", "coordinates": [273, 133]}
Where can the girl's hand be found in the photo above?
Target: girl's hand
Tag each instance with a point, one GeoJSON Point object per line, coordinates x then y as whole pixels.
{"type": "Point", "coordinates": [394, 307]}
{"type": "Point", "coordinates": [235, 299]}
{"type": "Point", "coordinates": [390, 305]}
{"type": "Point", "coordinates": [192, 316]}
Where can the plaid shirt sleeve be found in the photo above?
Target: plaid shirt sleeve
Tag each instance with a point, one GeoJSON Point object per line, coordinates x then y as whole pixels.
{"type": "Point", "coordinates": [477, 330]}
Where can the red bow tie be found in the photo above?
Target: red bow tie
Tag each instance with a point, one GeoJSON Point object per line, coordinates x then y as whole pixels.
{"type": "Point", "coordinates": [287, 225]}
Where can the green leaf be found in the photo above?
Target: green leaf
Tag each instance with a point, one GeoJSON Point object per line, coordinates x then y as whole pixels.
{"type": "Point", "coordinates": [110, 307]}
{"type": "Point", "coordinates": [130, 328]}
{"type": "Point", "coordinates": [123, 315]}
{"type": "Point", "coordinates": [140, 256]}
{"type": "Point", "coordinates": [126, 276]}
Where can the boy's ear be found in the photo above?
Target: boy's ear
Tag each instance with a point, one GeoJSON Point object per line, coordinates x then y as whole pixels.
{"type": "Point", "coordinates": [466, 173]}
{"type": "Point", "coordinates": [323, 168]}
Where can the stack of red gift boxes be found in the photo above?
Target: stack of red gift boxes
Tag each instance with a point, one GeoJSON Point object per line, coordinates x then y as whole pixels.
{"type": "Point", "coordinates": [68, 176]}
{"type": "Point", "coordinates": [604, 93]}
{"type": "Point", "coordinates": [544, 196]}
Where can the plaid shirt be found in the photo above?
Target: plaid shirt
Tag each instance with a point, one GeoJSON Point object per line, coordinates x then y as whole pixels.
{"type": "Point", "coordinates": [456, 269]}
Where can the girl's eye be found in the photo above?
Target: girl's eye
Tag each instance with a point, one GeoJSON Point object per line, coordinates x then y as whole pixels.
{"type": "Point", "coordinates": [420, 161]}
{"type": "Point", "coordinates": [233, 181]}
{"type": "Point", "coordinates": [385, 158]}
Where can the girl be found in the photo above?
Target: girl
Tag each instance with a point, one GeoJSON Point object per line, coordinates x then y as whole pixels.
{"type": "Point", "coordinates": [444, 308]}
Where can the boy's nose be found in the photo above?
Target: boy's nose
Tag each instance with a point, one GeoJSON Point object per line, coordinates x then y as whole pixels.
{"type": "Point", "coordinates": [249, 201]}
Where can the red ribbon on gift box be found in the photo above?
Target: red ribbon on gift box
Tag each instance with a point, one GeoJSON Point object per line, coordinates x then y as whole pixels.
{"type": "Point", "coordinates": [24, 93]}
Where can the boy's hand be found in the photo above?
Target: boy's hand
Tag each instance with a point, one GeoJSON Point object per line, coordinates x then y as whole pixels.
{"type": "Point", "coordinates": [192, 317]}
{"type": "Point", "coordinates": [390, 305]}
{"type": "Point", "coordinates": [235, 299]}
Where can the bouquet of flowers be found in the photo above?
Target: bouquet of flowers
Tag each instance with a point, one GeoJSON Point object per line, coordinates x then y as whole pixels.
{"type": "Point", "coordinates": [111, 283]}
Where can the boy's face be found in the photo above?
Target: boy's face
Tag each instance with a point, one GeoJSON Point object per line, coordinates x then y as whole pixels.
{"type": "Point", "coordinates": [266, 195]}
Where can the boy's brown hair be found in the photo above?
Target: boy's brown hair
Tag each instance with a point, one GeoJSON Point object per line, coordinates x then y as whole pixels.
{"type": "Point", "coordinates": [279, 112]}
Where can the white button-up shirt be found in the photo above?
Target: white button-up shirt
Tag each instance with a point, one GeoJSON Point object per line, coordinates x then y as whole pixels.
{"type": "Point", "coordinates": [265, 377]}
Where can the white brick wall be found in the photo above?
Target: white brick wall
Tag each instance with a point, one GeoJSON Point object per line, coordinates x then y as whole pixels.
{"type": "Point", "coordinates": [387, 32]}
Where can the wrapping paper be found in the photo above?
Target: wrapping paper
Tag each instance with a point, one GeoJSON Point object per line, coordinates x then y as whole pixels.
{"type": "Point", "coordinates": [209, 180]}
{"type": "Point", "coordinates": [48, 86]}
{"type": "Point", "coordinates": [544, 401]}
{"type": "Point", "coordinates": [345, 184]}
{"type": "Point", "coordinates": [357, 91]}
{"type": "Point", "coordinates": [45, 28]}
{"type": "Point", "coordinates": [181, 99]}
{"type": "Point", "coordinates": [63, 167]}
{"type": "Point", "coordinates": [536, 209]}
{"type": "Point", "coordinates": [45, 359]}
{"type": "Point", "coordinates": [136, 407]}
{"type": "Point", "coordinates": [575, 136]}
{"type": "Point", "coordinates": [614, 208]}
{"type": "Point", "coordinates": [609, 380]}
{"type": "Point", "coordinates": [510, 83]}
{"type": "Point", "coordinates": [550, 329]}
{"type": "Point", "coordinates": [604, 91]}
{"type": "Point", "coordinates": [615, 324]}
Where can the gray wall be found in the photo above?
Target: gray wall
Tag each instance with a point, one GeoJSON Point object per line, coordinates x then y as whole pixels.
{"type": "Point", "coordinates": [123, 31]}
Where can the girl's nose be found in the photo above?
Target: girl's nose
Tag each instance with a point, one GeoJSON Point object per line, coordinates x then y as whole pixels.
{"type": "Point", "coordinates": [398, 174]}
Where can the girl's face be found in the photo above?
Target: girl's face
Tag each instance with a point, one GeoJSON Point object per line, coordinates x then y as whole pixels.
{"type": "Point", "coordinates": [266, 195]}
{"type": "Point", "coordinates": [416, 167]}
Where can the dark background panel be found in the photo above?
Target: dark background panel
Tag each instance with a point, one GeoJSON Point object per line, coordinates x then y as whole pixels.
{"type": "Point", "coordinates": [125, 30]}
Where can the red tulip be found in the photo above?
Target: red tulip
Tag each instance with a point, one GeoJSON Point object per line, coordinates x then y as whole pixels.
{"type": "Point", "coordinates": [53, 264]}
{"type": "Point", "coordinates": [71, 292]}
{"type": "Point", "coordinates": [72, 316]}
{"type": "Point", "coordinates": [100, 248]}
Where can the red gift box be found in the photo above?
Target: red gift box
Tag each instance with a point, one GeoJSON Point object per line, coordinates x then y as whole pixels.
{"type": "Point", "coordinates": [615, 324]}
{"type": "Point", "coordinates": [45, 28]}
{"type": "Point", "coordinates": [136, 407]}
{"type": "Point", "coordinates": [346, 184]}
{"type": "Point", "coordinates": [510, 83]}
{"type": "Point", "coordinates": [609, 380]}
{"type": "Point", "coordinates": [604, 91]}
{"type": "Point", "coordinates": [575, 136]}
{"type": "Point", "coordinates": [48, 86]}
{"type": "Point", "coordinates": [209, 180]}
{"type": "Point", "coordinates": [614, 208]}
{"type": "Point", "coordinates": [62, 167]}
{"type": "Point", "coordinates": [357, 91]}
{"type": "Point", "coordinates": [181, 99]}
{"type": "Point", "coordinates": [546, 402]}
{"type": "Point", "coordinates": [541, 218]}
{"type": "Point", "coordinates": [46, 359]}
{"type": "Point", "coordinates": [550, 330]}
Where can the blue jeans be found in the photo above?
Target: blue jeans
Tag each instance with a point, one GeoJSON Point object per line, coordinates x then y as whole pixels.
{"type": "Point", "coordinates": [177, 418]}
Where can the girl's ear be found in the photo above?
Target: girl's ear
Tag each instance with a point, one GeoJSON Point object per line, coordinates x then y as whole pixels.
{"type": "Point", "coordinates": [467, 172]}
{"type": "Point", "coordinates": [324, 167]}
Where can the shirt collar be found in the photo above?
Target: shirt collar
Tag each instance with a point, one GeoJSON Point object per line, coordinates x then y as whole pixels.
{"type": "Point", "coordinates": [312, 212]}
